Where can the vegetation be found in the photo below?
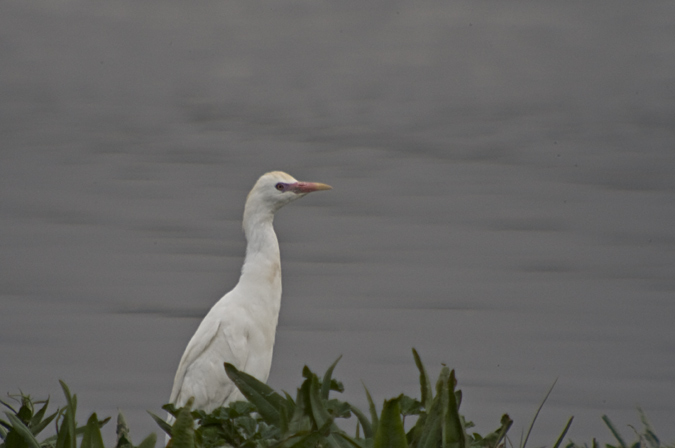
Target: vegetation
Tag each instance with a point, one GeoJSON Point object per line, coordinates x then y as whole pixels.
{"type": "Point", "coordinates": [22, 427]}
{"type": "Point", "coordinates": [270, 419]}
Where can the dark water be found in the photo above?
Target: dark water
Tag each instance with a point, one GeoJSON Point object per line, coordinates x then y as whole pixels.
{"type": "Point", "coordinates": [503, 200]}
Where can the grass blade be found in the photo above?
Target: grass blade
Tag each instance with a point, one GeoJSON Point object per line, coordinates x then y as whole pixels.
{"type": "Point", "coordinates": [614, 431]}
{"type": "Point", "coordinates": [8, 406]}
{"type": "Point", "coordinates": [373, 410]}
{"type": "Point", "coordinates": [363, 420]}
{"type": "Point", "coordinates": [425, 383]}
{"type": "Point", "coordinates": [536, 414]}
{"type": "Point", "coordinates": [562, 435]}
{"type": "Point", "coordinates": [66, 435]}
{"type": "Point", "coordinates": [649, 431]}
{"type": "Point", "coordinates": [166, 427]}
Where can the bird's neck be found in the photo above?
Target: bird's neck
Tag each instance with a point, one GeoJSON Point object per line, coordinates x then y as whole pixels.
{"type": "Point", "coordinates": [262, 265]}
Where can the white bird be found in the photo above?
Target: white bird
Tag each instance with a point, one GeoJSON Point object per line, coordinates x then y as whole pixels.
{"type": "Point", "coordinates": [241, 326]}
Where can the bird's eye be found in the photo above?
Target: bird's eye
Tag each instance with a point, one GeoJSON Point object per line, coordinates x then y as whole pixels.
{"type": "Point", "coordinates": [280, 186]}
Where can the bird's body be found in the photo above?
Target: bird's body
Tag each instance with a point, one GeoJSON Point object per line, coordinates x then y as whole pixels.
{"type": "Point", "coordinates": [240, 328]}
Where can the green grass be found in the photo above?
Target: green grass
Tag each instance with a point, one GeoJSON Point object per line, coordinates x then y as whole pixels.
{"type": "Point", "coordinates": [308, 420]}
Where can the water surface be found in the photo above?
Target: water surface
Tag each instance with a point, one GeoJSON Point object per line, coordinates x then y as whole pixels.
{"type": "Point", "coordinates": [503, 197]}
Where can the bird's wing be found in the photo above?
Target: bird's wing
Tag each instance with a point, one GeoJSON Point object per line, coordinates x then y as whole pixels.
{"type": "Point", "coordinates": [217, 340]}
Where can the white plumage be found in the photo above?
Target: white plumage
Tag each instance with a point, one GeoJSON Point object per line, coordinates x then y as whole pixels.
{"type": "Point", "coordinates": [241, 326]}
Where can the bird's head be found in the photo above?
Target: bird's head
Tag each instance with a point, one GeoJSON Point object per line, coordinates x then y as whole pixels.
{"type": "Point", "coordinates": [275, 189]}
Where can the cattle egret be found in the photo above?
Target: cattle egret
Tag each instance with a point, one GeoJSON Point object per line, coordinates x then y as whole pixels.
{"type": "Point", "coordinates": [241, 326]}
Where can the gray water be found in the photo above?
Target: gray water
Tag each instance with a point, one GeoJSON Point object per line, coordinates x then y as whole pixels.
{"type": "Point", "coordinates": [503, 197]}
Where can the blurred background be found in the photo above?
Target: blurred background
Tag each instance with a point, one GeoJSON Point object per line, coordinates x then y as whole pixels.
{"type": "Point", "coordinates": [503, 198]}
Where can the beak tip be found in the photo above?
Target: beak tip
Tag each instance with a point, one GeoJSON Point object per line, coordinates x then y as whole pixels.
{"type": "Point", "coordinates": [308, 187]}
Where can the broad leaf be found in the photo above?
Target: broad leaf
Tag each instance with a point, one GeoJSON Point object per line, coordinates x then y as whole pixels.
{"type": "Point", "coordinates": [20, 429]}
{"type": "Point", "coordinates": [327, 379]}
{"type": "Point", "coordinates": [38, 416]}
{"type": "Point", "coordinates": [452, 432]}
{"type": "Point", "coordinates": [148, 442]}
{"type": "Point", "coordinates": [183, 428]}
{"type": "Point", "coordinates": [265, 399]}
{"type": "Point", "coordinates": [92, 434]}
{"type": "Point", "coordinates": [390, 432]}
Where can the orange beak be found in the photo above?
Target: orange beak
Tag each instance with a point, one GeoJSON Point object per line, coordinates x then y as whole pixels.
{"type": "Point", "coordinates": [308, 187]}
